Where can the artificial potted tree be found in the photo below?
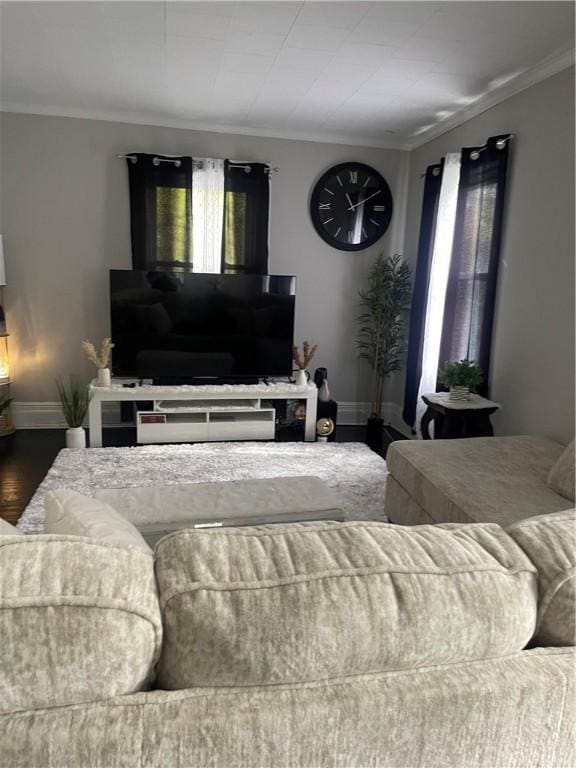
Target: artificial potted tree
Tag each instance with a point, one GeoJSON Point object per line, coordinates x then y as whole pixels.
{"type": "Point", "coordinates": [461, 378]}
{"type": "Point", "coordinates": [74, 399]}
{"type": "Point", "coordinates": [381, 338]}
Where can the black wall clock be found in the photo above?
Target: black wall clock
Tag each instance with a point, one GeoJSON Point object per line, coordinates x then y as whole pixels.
{"type": "Point", "coordinates": [351, 206]}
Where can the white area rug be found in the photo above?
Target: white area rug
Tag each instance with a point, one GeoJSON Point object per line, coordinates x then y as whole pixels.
{"type": "Point", "coordinates": [354, 472]}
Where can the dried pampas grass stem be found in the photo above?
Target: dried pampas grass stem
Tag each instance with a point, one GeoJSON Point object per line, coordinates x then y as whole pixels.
{"type": "Point", "coordinates": [308, 352]}
{"type": "Point", "coordinates": [100, 359]}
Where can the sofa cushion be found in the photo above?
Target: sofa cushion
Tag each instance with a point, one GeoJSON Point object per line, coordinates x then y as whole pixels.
{"type": "Point", "coordinates": [8, 530]}
{"type": "Point", "coordinates": [79, 620]}
{"type": "Point", "coordinates": [561, 476]}
{"type": "Point", "coordinates": [550, 542]}
{"type": "Point", "coordinates": [480, 479]}
{"type": "Point", "coordinates": [279, 604]}
{"type": "Point", "coordinates": [71, 513]}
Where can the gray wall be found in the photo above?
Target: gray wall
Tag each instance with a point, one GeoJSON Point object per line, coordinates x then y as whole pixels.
{"type": "Point", "coordinates": [533, 343]}
{"type": "Point", "coordinates": [66, 222]}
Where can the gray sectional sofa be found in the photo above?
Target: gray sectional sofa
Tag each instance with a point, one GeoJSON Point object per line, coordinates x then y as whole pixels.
{"type": "Point", "coordinates": [310, 645]}
{"type": "Point", "coordinates": [481, 479]}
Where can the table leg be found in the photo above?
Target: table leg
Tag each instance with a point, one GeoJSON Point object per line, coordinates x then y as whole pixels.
{"type": "Point", "coordinates": [480, 426]}
{"type": "Point", "coordinates": [454, 426]}
{"type": "Point", "coordinates": [425, 421]}
{"type": "Point", "coordinates": [310, 424]}
{"type": "Point", "coordinates": [95, 422]}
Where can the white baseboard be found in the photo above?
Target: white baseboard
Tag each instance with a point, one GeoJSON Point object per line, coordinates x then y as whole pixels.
{"type": "Point", "coordinates": [353, 414]}
{"type": "Point", "coordinates": [48, 415]}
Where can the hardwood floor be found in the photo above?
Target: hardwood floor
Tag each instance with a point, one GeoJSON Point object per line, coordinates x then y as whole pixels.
{"type": "Point", "coordinates": [27, 455]}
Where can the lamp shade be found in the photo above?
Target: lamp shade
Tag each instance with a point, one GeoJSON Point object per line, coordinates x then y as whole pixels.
{"type": "Point", "coordinates": [2, 263]}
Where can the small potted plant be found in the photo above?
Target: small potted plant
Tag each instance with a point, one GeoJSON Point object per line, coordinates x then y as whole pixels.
{"type": "Point", "coordinates": [74, 399]}
{"type": "Point", "coordinates": [461, 378]}
{"type": "Point", "coordinates": [100, 359]}
{"type": "Point", "coordinates": [303, 361]}
{"type": "Point", "coordinates": [6, 426]}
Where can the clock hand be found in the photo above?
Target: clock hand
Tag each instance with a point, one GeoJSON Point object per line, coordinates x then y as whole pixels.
{"type": "Point", "coordinates": [349, 201]}
{"type": "Point", "coordinates": [363, 201]}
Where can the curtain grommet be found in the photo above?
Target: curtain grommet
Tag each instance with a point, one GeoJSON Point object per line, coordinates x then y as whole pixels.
{"type": "Point", "coordinates": [501, 144]}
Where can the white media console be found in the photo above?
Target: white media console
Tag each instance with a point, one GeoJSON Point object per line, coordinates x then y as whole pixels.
{"type": "Point", "coordinates": [202, 413]}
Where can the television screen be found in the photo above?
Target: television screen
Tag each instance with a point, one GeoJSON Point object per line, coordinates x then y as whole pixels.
{"type": "Point", "coordinates": [180, 327]}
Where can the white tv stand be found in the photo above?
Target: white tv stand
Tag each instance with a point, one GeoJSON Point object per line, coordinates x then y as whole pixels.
{"type": "Point", "coordinates": [202, 413]}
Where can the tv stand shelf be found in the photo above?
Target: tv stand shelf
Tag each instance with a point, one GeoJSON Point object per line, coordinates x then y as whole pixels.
{"type": "Point", "coordinates": [216, 412]}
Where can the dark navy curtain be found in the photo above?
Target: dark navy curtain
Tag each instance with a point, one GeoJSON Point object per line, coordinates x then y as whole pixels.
{"type": "Point", "coordinates": [246, 212]}
{"type": "Point", "coordinates": [160, 211]}
{"type": "Point", "coordinates": [471, 289]}
{"type": "Point", "coordinates": [432, 186]}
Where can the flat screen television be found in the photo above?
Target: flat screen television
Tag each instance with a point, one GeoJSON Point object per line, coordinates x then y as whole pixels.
{"type": "Point", "coordinates": [180, 327]}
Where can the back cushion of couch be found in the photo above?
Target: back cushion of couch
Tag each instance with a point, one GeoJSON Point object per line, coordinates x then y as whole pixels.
{"type": "Point", "coordinates": [550, 542]}
{"type": "Point", "coordinates": [79, 621]}
{"type": "Point", "coordinates": [279, 604]}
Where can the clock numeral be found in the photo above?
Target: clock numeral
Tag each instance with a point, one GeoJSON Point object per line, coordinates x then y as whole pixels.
{"type": "Point", "coordinates": [325, 206]}
{"type": "Point", "coordinates": [364, 233]}
{"type": "Point", "coordinates": [366, 182]}
{"type": "Point", "coordinates": [328, 220]}
{"type": "Point", "coordinates": [353, 177]}
{"type": "Point", "coordinates": [337, 232]}
{"type": "Point", "coordinates": [329, 191]}
{"type": "Point", "coordinates": [375, 222]}
{"type": "Point", "coordinates": [350, 236]}
{"type": "Point", "coordinates": [379, 207]}
{"type": "Point", "coordinates": [339, 181]}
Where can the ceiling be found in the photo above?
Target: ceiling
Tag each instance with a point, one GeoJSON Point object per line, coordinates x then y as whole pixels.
{"type": "Point", "coordinates": [376, 73]}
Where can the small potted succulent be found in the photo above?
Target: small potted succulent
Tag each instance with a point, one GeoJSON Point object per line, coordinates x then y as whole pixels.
{"type": "Point", "coordinates": [303, 361]}
{"type": "Point", "coordinates": [461, 378]}
{"type": "Point", "coordinates": [74, 399]}
{"type": "Point", "coordinates": [100, 359]}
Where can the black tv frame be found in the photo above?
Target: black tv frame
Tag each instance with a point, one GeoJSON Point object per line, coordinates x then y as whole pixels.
{"type": "Point", "coordinates": [149, 280]}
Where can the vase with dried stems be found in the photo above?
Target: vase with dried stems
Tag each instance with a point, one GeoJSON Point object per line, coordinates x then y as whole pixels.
{"type": "Point", "coordinates": [74, 399]}
{"type": "Point", "coordinates": [302, 361]}
{"type": "Point", "coordinates": [381, 338]}
{"type": "Point", "coordinates": [100, 359]}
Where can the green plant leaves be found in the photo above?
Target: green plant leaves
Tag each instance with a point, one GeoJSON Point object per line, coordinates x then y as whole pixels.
{"type": "Point", "coordinates": [381, 337]}
{"type": "Point", "coordinates": [74, 400]}
{"type": "Point", "coordinates": [464, 373]}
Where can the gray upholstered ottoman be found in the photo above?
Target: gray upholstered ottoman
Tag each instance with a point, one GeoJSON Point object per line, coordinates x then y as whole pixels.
{"type": "Point", "coordinates": [158, 510]}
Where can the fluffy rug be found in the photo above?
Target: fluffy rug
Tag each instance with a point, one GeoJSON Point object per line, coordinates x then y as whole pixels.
{"type": "Point", "coordinates": [354, 472]}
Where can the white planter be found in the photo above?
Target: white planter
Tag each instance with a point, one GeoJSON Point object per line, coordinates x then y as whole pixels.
{"type": "Point", "coordinates": [459, 393]}
{"type": "Point", "coordinates": [76, 437]}
{"type": "Point", "coordinates": [301, 378]}
{"type": "Point", "coordinates": [104, 377]}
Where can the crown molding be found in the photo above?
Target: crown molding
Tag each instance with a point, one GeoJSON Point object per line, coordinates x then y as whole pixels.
{"type": "Point", "coordinates": [136, 118]}
{"type": "Point", "coordinates": [548, 67]}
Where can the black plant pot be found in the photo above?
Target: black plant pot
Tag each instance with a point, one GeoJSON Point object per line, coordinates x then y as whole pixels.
{"type": "Point", "coordinates": [374, 433]}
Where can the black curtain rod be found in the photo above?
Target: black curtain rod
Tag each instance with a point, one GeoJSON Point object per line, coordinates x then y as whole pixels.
{"type": "Point", "coordinates": [157, 160]}
{"type": "Point", "coordinates": [475, 154]}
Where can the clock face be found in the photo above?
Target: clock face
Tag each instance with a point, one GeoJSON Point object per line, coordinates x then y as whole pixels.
{"type": "Point", "coordinates": [351, 206]}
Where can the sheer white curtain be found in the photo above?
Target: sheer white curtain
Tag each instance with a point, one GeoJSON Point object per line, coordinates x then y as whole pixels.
{"type": "Point", "coordinates": [207, 214]}
{"type": "Point", "coordinates": [439, 270]}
